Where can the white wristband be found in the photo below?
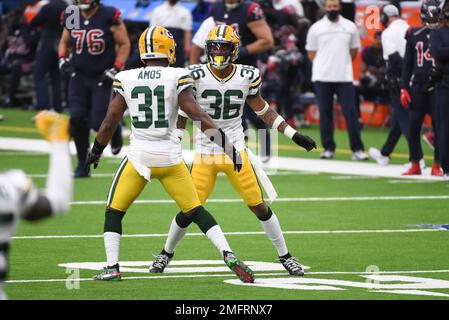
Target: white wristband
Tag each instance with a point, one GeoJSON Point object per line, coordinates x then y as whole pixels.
{"type": "Point", "coordinates": [277, 122]}
{"type": "Point", "coordinates": [289, 132]}
{"type": "Point", "coordinates": [264, 110]}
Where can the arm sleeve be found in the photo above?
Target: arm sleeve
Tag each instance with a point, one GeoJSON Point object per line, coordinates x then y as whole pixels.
{"type": "Point", "coordinates": [184, 81]}
{"type": "Point", "coordinates": [436, 47]}
{"type": "Point", "coordinates": [117, 84]}
{"type": "Point", "coordinates": [254, 86]}
{"type": "Point", "coordinates": [407, 65]}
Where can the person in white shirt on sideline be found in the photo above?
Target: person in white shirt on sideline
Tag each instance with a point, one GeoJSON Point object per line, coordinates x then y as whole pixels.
{"type": "Point", "coordinates": [178, 20]}
{"type": "Point", "coordinates": [332, 44]}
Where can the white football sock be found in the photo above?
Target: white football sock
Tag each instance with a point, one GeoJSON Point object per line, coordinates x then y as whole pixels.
{"type": "Point", "coordinates": [217, 237]}
{"type": "Point", "coordinates": [112, 247]}
{"type": "Point", "coordinates": [273, 230]}
{"type": "Point", "coordinates": [175, 234]}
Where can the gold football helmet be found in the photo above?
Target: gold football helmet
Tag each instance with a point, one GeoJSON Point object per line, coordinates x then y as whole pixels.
{"type": "Point", "coordinates": [156, 43]}
{"type": "Point", "coordinates": [222, 46]}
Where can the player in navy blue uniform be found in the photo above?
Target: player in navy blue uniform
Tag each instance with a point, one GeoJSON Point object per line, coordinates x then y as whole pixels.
{"type": "Point", "coordinates": [439, 48]}
{"type": "Point", "coordinates": [47, 56]}
{"type": "Point", "coordinates": [99, 49]}
{"type": "Point", "coordinates": [415, 93]}
{"type": "Point", "coordinates": [255, 37]}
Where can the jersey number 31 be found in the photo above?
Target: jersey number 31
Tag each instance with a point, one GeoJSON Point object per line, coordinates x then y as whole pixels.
{"type": "Point", "coordinates": [145, 107]}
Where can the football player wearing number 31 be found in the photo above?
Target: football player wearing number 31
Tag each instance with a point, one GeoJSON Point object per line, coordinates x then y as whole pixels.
{"type": "Point", "coordinates": [94, 62]}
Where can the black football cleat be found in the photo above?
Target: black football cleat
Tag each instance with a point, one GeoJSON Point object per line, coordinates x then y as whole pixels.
{"type": "Point", "coordinates": [292, 265]}
{"type": "Point", "coordinates": [160, 262]}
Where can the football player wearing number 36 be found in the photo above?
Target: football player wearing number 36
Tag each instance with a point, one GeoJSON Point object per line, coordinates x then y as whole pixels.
{"type": "Point", "coordinates": [88, 50]}
{"type": "Point", "coordinates": [222, 88]}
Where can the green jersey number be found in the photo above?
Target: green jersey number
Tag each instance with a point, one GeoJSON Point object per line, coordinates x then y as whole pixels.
{"type": "Point", "coordinates": [222, 106]}
{"type": "Point", "coordinates": [248, 70]}
{"type": "Point", "coordinates": [196, 72]}
{"type": "Point", "coordinates": [145, 107]}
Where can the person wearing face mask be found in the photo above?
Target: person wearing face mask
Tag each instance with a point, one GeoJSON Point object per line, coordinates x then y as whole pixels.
{"type": "Point", "coordinates": [332, 43]}
{"type": "Point", "coordinates": [178, 20]}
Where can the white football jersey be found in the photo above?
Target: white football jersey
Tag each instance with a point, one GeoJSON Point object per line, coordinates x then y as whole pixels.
{"type": "Point", "coordinates": [151, 94]}
{"type": "Point", "coordinates": [223, 100]}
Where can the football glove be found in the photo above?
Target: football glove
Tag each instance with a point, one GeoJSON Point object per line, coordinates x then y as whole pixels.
{"type": "Point", "coordinates": [63, 64]}
{"type": "Point", "coordinates": [405, 98]}
{"type": "Point", "coordinates": [93, 156]}
{"type": "Point", "coordinates": [236, 158]}
{"type": "Point", "coordinates": [304, 141]}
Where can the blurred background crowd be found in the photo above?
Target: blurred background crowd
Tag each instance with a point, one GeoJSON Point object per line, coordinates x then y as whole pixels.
{"type": "Point", "coordinates": [30, 77]}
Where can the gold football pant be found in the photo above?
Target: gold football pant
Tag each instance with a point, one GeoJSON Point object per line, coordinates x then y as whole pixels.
{"type": "Point", "coordinates": [128, 184]}
{"type": "Point", "coordinates": [204, 172]}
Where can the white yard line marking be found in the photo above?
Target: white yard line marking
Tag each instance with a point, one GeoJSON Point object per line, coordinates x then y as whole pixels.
{"type": "Point", "coordinates": [276, 163]}
{"type": "Point", "coordinates": [107, 175]}
{"type": "Point", "coordinates": [95, 175]}
{"type": "Point", "coordinates": [410, 181]}
{"type": "Point", "coordinates": [232, 275]}
{"type": "Point", "coordinates": [81, 236]}
{"type": "Point", "coordinates": [23, 153]}
{"type": "Point", "coordinates": [366, 198]}
{"type": "Point", "coordinates": [352, 177]}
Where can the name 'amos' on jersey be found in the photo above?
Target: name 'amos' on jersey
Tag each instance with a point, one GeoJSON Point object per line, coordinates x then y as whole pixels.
{"type": "Point", "coordinates": [223, 100]}
{"type": "Point", "coordinates": [151, 94]}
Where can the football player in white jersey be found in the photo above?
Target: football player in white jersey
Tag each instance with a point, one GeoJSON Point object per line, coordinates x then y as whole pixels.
{"type": "Point", "coordinates": [20, 199]}
{"type": "Point", "coordinates": [153, 95]}
{"type": "Point", "coordinates": [222, 88]}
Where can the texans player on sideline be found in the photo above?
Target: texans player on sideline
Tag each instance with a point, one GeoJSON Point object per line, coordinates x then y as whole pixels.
{"type": "Point", "coordinates": [19, 197]}
{"type": "Point", "coordinates": [154, 95]}
{"type": "Point", "coordinates": [417, 93]}
{"type": "Point", "coordinates": [99, 49]}
{"type": "Point", "coordinates": [222, 89]}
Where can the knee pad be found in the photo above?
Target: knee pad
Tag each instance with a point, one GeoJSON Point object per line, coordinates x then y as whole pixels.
{"type": "Point", "coordinates": [113, 220]}
{"type": "Point", "coordinates": [203, 219]}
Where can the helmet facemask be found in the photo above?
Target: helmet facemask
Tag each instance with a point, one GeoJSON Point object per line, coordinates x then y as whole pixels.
{"type": "Point", "coordinates": [431, 13]}
{"type": "Point", "coordinates": [220, 54]}
{"type": "Point", "coordinates": [87, 6]}
{"type": "Point", "coordinates": [232, 6]}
